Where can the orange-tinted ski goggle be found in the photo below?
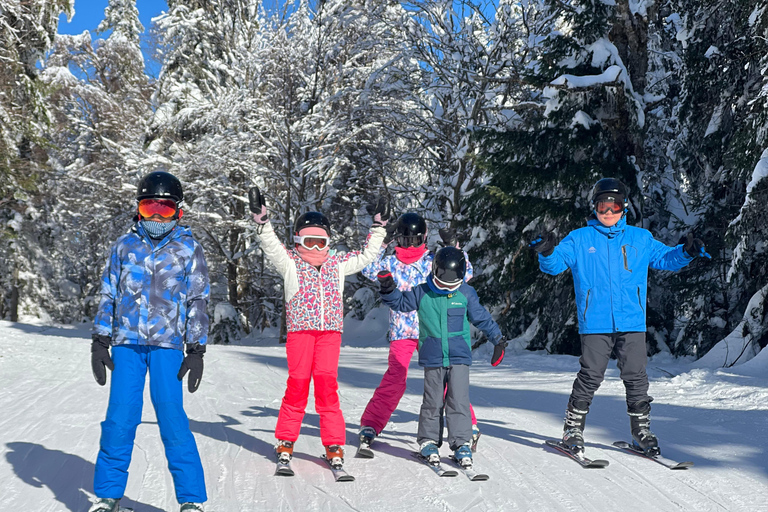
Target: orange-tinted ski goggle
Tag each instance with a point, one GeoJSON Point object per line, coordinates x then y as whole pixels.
{"type": "Point", "coordinates": [166, 208]}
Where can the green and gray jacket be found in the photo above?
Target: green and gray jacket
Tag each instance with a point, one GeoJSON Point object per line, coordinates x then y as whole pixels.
{"type": "Point", "coordinates": [444, 319]}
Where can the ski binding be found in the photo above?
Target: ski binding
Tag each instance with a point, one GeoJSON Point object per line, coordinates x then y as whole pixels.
{"type": "Point", "coordinates": [338, 473]}
{"type": "Point", "coordinates": [671, 464]}
{"type": "Point", "coordinates": [437, 468]}
{"type": "Point", "coordinates": [470, 472]}
{"type": "Point", "coordinates": [585, 462]}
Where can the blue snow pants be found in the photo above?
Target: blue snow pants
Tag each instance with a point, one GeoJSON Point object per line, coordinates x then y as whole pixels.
{"type": "Point", "coordinates": [124, 415]}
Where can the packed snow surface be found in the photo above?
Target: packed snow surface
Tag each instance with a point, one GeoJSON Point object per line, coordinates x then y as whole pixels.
{"type": "Point", "coordinates": [51, 409]}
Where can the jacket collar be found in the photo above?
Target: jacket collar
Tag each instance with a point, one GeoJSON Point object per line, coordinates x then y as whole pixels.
{"type": "Point", "coordinates": [610, 232]}
{"type": "Point", "coordinates": [176, 232]}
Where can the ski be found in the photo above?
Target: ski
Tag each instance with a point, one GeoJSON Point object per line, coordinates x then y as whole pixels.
{"type": "Point", "coordinates": [437, 468]}
{"type": "Point", "coordinates": [283, 469]}
{"type": "Point", "coordinates": [671, 464]}
{"type": "Point", "coordinates": [470, 472]}
{"type": "Point", "coordinates": [585, 462]}
{"type": "Point", "coordinates": [338, 473]}
{"type": "Point", "coordinates": [364, 451]}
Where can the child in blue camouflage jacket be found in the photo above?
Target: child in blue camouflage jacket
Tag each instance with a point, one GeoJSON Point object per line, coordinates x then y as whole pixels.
{"type": "Point", "coordinates": [154, 295]}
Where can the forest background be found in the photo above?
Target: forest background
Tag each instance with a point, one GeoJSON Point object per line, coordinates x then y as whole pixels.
{"type": "Point", "coordinates": [493, 117]}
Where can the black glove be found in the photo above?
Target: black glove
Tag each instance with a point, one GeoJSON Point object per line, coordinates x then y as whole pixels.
{"type": "Point", "coordinates": [386, 282]}
{"type": "Point", "coordinates": [448, 237]}
{"type": "Point", "coordinates": [543, 244]}
{"type": "Point", "coordinates": [100, 357]}
{"type": "Point", "coordinates": [693, 246]}
{"type": "Point", "coordinates": [391, 231]}
{"type": "Point", "coordinates": [193, 363]}
{"type": "Point", "coordinates": [380, 211]}
{"type": "Point", "coordinates": [498, 353]}
{"type": "Point", "coordinates": [257, 205]}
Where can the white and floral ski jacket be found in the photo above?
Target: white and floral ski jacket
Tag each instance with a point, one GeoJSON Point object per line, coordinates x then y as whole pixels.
{"type": "Point", "coordinates": [313, 298]}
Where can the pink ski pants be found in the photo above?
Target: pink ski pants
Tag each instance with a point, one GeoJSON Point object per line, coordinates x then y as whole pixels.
{"type": "Point", "coordinates": [312, 355]}
{"type": "Point", "coordinates": [392, 386]}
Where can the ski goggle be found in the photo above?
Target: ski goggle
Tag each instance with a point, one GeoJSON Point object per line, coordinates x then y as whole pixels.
{"type": "Point", "coordinates": [166, 208]}
{"type": "Point", "coordinates": [312, 241]}
{"type": "Point", "coordinates": [609, 205]}
{"type": "Point", "coordinates": [410, 241]}
{"type": "Point", "coordinates": [442, 285]}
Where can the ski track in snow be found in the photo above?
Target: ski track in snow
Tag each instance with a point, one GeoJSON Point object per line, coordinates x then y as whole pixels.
{"type": "Point", "coordinates": [52, 409]}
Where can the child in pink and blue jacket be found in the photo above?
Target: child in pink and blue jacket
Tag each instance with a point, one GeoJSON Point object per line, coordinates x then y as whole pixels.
{"type": "Point", "coordinates": [313, 278]}
{"type": "Point", "coordinates": [409, 266]}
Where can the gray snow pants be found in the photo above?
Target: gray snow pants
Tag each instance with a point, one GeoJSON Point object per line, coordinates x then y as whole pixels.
{"type": "Point", "coordinates": [455, 400]}
{"type": "Point", "coordinates": [632, 358]}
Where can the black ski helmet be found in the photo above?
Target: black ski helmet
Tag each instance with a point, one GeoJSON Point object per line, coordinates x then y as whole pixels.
{"type": "Point", "coordinates": [607, 186]}
{"type": "Point", "coordinates": [160, 184]}
{"type": "Point", "coordinates": [449, 265]}
{"type": "Point", "coordinates": [411, 230]}
{"type": "Point", "coordinates": [310, 219]}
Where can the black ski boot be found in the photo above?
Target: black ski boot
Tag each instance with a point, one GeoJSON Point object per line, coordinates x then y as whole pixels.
{"type": "Point", "coordinates": [640, 421]}
{"type": "Point", "coordinates": [573, 430]}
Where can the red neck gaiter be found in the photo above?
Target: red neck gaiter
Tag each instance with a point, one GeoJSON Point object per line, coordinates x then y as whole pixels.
{"type": "Point", "coordinates": [410, 255]}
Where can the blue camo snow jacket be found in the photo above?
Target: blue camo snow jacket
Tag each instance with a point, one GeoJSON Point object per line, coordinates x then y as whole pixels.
{"type": "Point", "coordinates": [610, 273]}
{"type": "Point", "coordinates": [444, 318]}
{"type": "Point", "coordinates": [405, 325]}
{"type": "Point", "coordinates": [155, 294]}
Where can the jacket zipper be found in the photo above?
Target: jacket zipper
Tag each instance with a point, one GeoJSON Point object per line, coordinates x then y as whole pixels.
{"type": "Point", "coordinates": [626, 263]}
{"type": "Point", "coordinates": [322, 303]}
{"type": "Point", "coordinates": [639, 301]}
{"type": "Point", "coordinates": [587, 306]}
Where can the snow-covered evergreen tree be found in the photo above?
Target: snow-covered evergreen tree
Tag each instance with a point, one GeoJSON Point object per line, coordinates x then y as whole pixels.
{"type": "Point", "coordinates": [100, 106]}
{"type": "Point", "coordinates": [26, 32]}
{"type": "Point", "coordinates": [583, 120]}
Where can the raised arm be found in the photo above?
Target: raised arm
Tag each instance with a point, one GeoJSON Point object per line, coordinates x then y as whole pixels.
{"type": "Point", "coordinates": [556, 258]}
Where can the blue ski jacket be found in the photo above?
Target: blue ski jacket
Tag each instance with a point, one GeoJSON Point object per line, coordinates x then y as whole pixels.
{"type": "Point", "coordinates": [155, 292]}
{"type": "Point", "coordinates": [444, 318]}
{"type": "Point", "coordinates": [610, 273]}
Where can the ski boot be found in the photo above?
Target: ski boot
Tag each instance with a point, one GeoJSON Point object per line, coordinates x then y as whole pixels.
{"type": "Point", "coordinates": [573, 430]}
{"type": "Point", "coordinates": [475, 437]}
{"type": "Point", "coordinates": [640, 422]}
{"type": "Point", "coordinates": [463, 456]}
{"type": "Point", "coordinates": [284, 451]}
{"type": "Point", "coordinates": [367, 435]}
{"type": "Point", "coordinates": [429, 451]}
{"type": "Point", "coordinates": [335, 456]}
{"type": "Point", "coordinates": [105, 505]}
{"type": "Point", "coordinates": [192, 507]}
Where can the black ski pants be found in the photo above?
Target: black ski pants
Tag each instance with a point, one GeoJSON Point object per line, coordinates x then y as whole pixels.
{"type": "Point", "coordinates": [596, 351]}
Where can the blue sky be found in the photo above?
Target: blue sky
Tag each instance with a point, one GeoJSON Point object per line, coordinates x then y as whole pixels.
{"type": "Point", "coordinates": [89, 13]}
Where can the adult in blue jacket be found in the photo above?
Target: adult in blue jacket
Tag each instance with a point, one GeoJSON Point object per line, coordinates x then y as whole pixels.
{"type": "Point", "coordinates": [609, 261]}
{"type": "Point", "coordinates": [154, 294]}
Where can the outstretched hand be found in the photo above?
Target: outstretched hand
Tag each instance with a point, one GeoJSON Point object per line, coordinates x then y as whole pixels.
{"type": "Point", "coordinates": [543, 244]}
{"type": "Point", "coordinates": [694, 246]}
{"type": "Point", "coordinates": [257, 205]}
